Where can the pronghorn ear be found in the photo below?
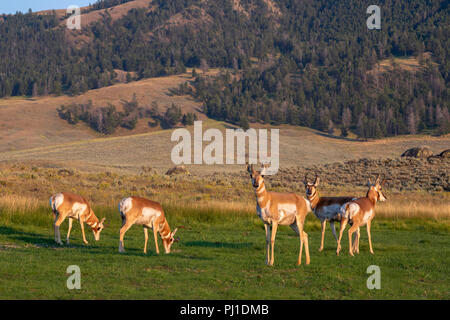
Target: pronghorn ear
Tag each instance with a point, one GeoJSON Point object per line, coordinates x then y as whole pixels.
{"type": "Point", "coordinates": [174, 231]}
{"type": "Point", "coordinates": [103, 220]}
{"type": "Point", "coordinates": [369, 183]}
{"type": "Point", "coordinates": [305, 181]}
{"type": "Point", "coordinates": [383, 182]}
{"type": "Point", "coordinates": [316, 182]}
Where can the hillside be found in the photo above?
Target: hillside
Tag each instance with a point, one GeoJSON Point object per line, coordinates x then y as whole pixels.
{"type": "Point", "coordinates": [312, 63]}
{"type": "Point", "coordinates": [31, 132]}
{"type": "Point", "coordinates": [33, 122]}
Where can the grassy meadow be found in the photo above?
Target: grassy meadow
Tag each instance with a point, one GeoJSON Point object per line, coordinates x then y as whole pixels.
{"type": "Point", "coordinates": [221, 253]}
{"type": "Point", "coordinates": [221, 256]}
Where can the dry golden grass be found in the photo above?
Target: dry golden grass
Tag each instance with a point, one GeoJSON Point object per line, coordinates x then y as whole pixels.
{"type": "Point", "coordinates": [33, 122]}
{"type": "Point", "coordinates": [26, 189]}
{"type": "Point", "coordinates": [411, 64]}
{"type": "Point", "coordinates": [298, 147]}
{"type": "Point", "coordinates": [16, 203]}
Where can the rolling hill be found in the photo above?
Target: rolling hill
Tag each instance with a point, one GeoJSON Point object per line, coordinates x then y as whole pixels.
{"type": "Point", "coordinates": [32, 132]}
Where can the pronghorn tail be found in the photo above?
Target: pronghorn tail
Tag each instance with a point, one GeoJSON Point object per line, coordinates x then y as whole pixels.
{"type": "Point", "coordinates": [55, 201]}
{"type": "Point", "coordinates": [349, 210]}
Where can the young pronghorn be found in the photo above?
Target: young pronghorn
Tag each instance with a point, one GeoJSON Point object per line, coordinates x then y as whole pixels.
{"type": "Point", "coordinates": [361, 212]}
{"type": "Point", "coordinates": [275, 209]}
{"type": "Point", "coordinates": [325, 208]}
{"type": "Point", "coordinates": [72, 206]}
{"type": "Point", "coordinates": [150, 214]}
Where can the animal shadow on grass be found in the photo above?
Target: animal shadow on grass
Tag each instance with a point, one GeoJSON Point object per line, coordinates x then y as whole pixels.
{"type": "Point", "coordinates": [35, 239]}
{"type": "Point", "coordinates": [28, 237]}
{"type": "Point", "coordinates": [216, 244]}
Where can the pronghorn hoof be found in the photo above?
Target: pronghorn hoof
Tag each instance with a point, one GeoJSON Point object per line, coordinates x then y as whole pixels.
{"type": "Point", "coordinates": [372, 252]}
{"type": "Point", "coordinates": [59, 243]}
{"type": "Point", "coordinates": [320, 249]}
{"type": "Point", "coordinates": [351, 253]}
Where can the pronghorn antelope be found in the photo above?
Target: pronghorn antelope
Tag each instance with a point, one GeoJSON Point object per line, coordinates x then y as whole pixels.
{"type": "Point", "coordinates": [72, 206]}
{"type": "Point", "coordinates": [361, 212]}
{"type": "Point", "coordinates": [325, 208]}
{"type": "Point", "coordinates": [275, 209]}
{"type": "Point", "coordinates": [150, 214]}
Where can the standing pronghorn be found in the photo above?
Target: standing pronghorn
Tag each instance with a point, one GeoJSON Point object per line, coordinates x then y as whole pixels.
{"type": "Point", "coordinates": [73, 206]}
{"type": "Point", "coordinates": [361, 212]}
{"type": "Point", "coordinates": [275, 209]}
{"type": "Point", "coordinates": [151, 215]}
{"type": "Point", "coordinates": [325, 208]}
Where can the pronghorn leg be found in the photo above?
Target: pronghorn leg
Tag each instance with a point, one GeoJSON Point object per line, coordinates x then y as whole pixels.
{"type": "Point", "coordinates": [333, 229]}
{"type": "Point", "coordinates": [68, 231]}
{"type": "Point", "coordinates": [82, 229]}
{"type": "Point", "coordinates": [272, 241]}
{"type": "Point", "coordinates": [267, 228]}
{"type": "Point", "coordinates": [356, 241]}
{"type": "Point", "coordinates": [146, 238]}
{"type": "Point", "coordinates": [324, 223]}
{"type": "Point", "coordinates": [303, 241]}
{"type": "Point", "coordinates": [369, 236]}
{"type": "Point", "coordinates": [55, 217]}
{"type": "Point", "coordinates": [155, 235]}
{"type": "Point", "coordinates": [343, 225]}
{"type": "Point", "coordinates": [58, 221]}
{"type": "Point", "coordinates": [350, 233]}
{"type": "Point", "coordinates": [125, 227]}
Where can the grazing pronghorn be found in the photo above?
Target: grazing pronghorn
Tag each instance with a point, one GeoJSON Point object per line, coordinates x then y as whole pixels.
{"type": "Point", "coordinates": [325, 208]}
{"type": "Point", "coordinates": [361, 212]}
{"type": "Point", "coordinates": [275, 209]}
{"type": "Point", "coordinates": [72, 206]}
{"type": "Point", "coordinates": [150, 214]}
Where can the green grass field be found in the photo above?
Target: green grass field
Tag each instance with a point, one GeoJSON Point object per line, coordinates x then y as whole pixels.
{"type": "Point", "coordinates": [221, 255]}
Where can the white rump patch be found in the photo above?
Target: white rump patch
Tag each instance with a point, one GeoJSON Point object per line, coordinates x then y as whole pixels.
{"type": "Point", "coordinates": [58, 199]}
{"type": "Point", "coordinates": [125, 205]}
{"type": "Point", "coordinates": [349, 210]}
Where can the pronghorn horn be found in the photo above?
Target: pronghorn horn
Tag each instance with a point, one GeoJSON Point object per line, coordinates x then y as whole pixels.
{"type": "Point", "coordinates": [383, 182]}
{"type": "Point", "coordinates": [306, 179]}
{"type": "Point", "coordinates": [316, 182]}
{"type": "Point", "coordinates": [378, 180]}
